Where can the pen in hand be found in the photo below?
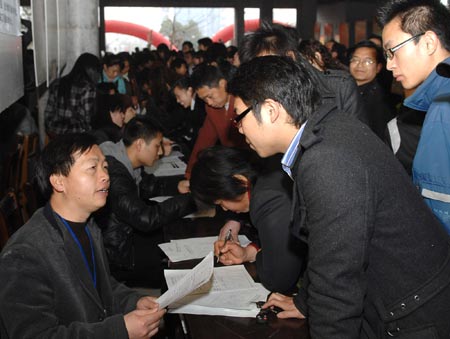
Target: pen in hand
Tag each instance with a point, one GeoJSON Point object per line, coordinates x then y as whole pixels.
{"type": "Point", "coordinates": [228, 237]}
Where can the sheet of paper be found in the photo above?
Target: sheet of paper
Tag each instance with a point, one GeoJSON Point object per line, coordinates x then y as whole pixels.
{"type": "Point", "coordinates": [192, 280]}
{"type": "Point", "coordinates": [193, 248]}
{"type": "Point", "coordinates": [202, 310]}
{"type": "Point", "coordinates": [231, 288]}
{"type": "Point", "coordinates": [168, 165]}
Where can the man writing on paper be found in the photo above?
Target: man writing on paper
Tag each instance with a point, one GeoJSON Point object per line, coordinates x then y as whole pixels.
{"type": "Point", "coordinates": [378, 260]}
{"type": "Point", "coordinates": [54, 275]}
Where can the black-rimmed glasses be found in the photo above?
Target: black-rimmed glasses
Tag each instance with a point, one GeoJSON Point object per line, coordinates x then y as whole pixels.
{"type": "Point", "coordinates": [389, 53]}
{"type": "Point", "coordinates": [238, 119]}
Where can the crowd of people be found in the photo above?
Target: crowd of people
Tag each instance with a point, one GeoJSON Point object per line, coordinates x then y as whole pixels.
{"type": "Point", "coordinates": [346, 181]}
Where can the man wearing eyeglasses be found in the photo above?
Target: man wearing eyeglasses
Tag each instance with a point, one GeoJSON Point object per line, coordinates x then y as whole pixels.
{"type": "Point", "coordinates": [366, 61]}
{"type": "Point", "coordinates": [416, 40]}
{"type": "Point", "coordinates": [378, 261]}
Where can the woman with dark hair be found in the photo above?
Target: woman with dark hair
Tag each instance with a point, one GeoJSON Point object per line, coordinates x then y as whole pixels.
{"type": "Point", "coordinates": [71, 102]}
{"type": "Point", "coordinates": [226, 177]}
{"type": "Point", "coordinates": [318, 55]}
{"type": "Point", "coordinates": [112, 65]}
{"type": "Point", "coordinates": [194, 107]}
{"type": "Point", "coordinates": [110, 118]}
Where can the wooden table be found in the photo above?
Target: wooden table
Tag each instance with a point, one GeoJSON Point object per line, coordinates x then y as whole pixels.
{"type": "Point", "coordinates": [217, 327]}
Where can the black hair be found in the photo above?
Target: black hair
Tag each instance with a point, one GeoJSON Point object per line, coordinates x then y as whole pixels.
{"type": "Point", "coordinates": [177, 62]}
{"type": "Point", "coordinates": [341, 52]}
{"type": "Point", "coordinates": [269, 39]}
{"type": "Point", "coordinates": [280, 79]}
{"type": "Point", "coordinates": [368, 44]}
{"type": "Point", "coordinates": [106, 103]}
{"type": "Point", "coordinates": [188, 43]}
{"type": "Point", "coordinates": [59, 156]}
{"type": "Point", "coordinates": [418, 16]}
{"type": "Point", "coordinates": [87, 69]}
{"type": "Point", "coordinates": [217, 52]}
{"type": "Point", "coordinates": [139, 128]}
{"type": "Point", "coordinates": [213, 176]}
{"type": "Point", "coordinates": [183, 83]}
{"type": "Point", "coordinates": [231, 51]}
{"type": "Point", "coordinates": [206, 75]}
{"type": "Point", "coordinates": [205, 42]}
{"type": "Point", "coordinates": [308, 49]}
{"type": "Point", "coordinates": [111, 59]}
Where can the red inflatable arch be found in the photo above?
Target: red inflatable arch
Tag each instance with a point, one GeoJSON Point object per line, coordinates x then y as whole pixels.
{"type": "Point", "coordinates": [227, 33]}
{"type": "Point", "coordinates": [142, 32]}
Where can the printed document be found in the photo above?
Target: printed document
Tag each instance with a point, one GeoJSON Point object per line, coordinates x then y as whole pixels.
{"type": "Point", "coordinates": [192, 280]}
{"type": "Point", "coordinates": [193, 248]}
{"type": "Point", "coordinates": [230, 292]}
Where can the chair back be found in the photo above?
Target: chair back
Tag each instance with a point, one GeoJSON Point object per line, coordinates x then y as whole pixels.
{"type": "Point", "coordinates": [10, 217]}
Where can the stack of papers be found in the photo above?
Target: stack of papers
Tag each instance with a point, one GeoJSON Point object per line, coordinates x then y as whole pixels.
{"type": "Point", "coordinates": [230, 291]}
{"type": "Point", "coordinates": [193, 248]}
{"type": "Point", "coordinates": [169, 165]}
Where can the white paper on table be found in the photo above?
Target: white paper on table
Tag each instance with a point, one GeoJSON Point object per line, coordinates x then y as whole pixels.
{"type": "Point", "coordinates": [202, 310]}
{"type": "Point", "coordinates": [169, 166]}
{"type": "Point", "coordinates": [195, 278]}
{"type": "Point", "coordinates": [193, 248]}
{"type": "Point", "coordinates": [231, 288]}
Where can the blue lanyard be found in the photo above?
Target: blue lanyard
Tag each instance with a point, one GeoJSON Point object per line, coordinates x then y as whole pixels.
{"type": "Point", "coordinates": [74, 236]}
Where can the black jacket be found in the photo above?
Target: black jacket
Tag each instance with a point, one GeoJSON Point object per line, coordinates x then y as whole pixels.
{"type": "Point", "coordinates": [128, 208]}
{"type": "Point", "coordinates": [338, 88]}
{"type": "Point", "coordinates": [378, 257]}
{"type": "Point", "coordinates": [47, 292]}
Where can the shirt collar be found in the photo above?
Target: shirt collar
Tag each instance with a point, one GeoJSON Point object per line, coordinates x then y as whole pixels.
{"type": "Point", "coordinates": [289, 155]}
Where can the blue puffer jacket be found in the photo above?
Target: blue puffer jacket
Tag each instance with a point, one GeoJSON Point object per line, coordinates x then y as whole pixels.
{"type": "Point", "coordinates": [431, 166]}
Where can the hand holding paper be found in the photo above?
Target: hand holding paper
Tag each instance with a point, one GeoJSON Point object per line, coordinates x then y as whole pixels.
{"type": "Point", "coordinates": [198, 276]}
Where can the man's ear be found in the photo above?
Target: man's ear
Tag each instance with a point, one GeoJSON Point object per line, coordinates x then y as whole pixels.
{"type": "Point", "coordinates": [57, 182]}
{"type": "Point", "coordinates": [138, 144]}
{"type": "Point", "coordinates": [223, 84]}
{"type": "Point", "coordinates": [242, 178]}
{"type": "Point", "coordinates": [431, 42]}
{"type": "Point", "coordinates": [272, 108]}
{"type": "Point", "coordinates": [379, 67]}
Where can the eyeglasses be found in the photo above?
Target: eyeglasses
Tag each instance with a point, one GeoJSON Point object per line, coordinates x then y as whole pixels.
{"type": "Point", "coordinates": [238, 119]}
{"type": "Point", "coordinates": [389, 53]}
{"type": "Point", "coordinates": [362, 62]}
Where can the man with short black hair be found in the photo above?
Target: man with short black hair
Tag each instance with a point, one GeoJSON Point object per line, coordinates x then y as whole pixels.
{"type": "Point", "coordinates": [335, 86]}
{"type": "Point", "coordinates": [378, 260]}
{"type": "Point", "coordinates": [210, 84]}
{"type": "Point", "coordinates": [416, 40]}
{"type": "Point", "coordinates": [54, 275]}
{"type": "Point", "coordinates": [366, 61]}
{"type": "Point", "coordinates": [132, 225]}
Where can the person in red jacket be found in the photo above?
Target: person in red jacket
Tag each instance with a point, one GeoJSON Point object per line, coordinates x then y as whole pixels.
{"type": "Point", "coordinates": [210, 84]}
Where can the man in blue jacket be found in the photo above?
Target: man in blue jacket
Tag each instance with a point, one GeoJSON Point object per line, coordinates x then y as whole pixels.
{"type": "Point", "coordinates": [416, 40]}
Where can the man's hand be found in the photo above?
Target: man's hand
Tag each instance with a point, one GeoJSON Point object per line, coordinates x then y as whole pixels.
{"type": "Point", "coordinates": [143, 323]}
{"type": "Point", "coordinates": [285, 303]}
{"type": "Point", "coordinates": [233, 253]}
{"type": "Point", "coordinates": [183, 186]}
{"type": "Point", "coordinates": [147, 303]}
{"type": "Point", "coordinates": [234, 226]}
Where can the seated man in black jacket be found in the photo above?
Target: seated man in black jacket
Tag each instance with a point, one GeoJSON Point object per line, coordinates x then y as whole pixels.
{"type": "Point", "coordinates": [133, 226]}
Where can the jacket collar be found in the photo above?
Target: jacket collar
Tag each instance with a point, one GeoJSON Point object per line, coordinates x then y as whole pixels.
{"type": "Point", "coordinates": [75, 259]}
{"type": "Point", "coordinates": [433, 86]}
{"type": "Point", "coordinates": [311, 134]}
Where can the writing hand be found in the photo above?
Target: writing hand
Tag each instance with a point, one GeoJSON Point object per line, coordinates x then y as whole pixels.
{"type": "Point", "coordinates": [232, 225]}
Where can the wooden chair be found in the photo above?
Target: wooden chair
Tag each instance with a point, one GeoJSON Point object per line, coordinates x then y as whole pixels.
{"type": "Point", "coordinates": [10, 217]}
